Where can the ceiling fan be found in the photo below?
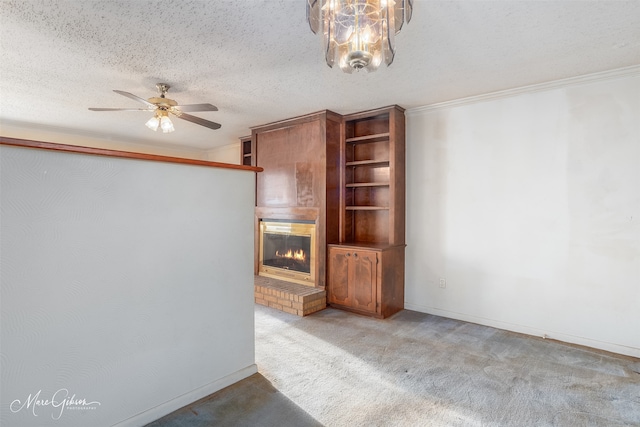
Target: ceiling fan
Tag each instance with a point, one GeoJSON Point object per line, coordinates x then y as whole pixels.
{"type": "Point", "coordinates": [163, 106]}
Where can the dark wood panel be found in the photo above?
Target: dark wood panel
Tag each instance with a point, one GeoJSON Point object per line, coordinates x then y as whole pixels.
{"type": "Point", "coordinates": [371, 174]}
{"type": "Point", "coordinates": [339, 292]}
{"type": "Point", "coordinates": [368, 126]}
{"type": "Point", "coordinates": [398, 177]}
{"type": "Point", "coordinates": [392, 280]}
{"type": "Point", "coordinates": [371, 196]}
{"type": "Point", "coordinates": [348, 226]}
{"type": "Point", "coordinates": [367, 184]}
{"type": "Point", "coordinates": [374, 246]}
{"type": "Point", "coordinates": [368, 138]}
{"type": "Point", "coordinates": [295, 213]}
{"type": "Point", "coordinates": [374, 150]}
{"type": "Point", "coordinates": [364, 278]}
{"type": "Point", "coordinates": [371, 226]}
{"type": "Point", "coordinates": [294, 161]}
{"type": "Point", "coordinates": [371, 163]}
{"type": "Point", "coordinates": [334, 165]}
{"type": "Point", "coordinates": [373, 113]}
{"type": "Point", "coordinates": [295, 121]}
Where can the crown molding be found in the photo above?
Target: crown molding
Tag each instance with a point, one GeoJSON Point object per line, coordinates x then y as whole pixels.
{"type": "Point", "coordinates": [633, 70]}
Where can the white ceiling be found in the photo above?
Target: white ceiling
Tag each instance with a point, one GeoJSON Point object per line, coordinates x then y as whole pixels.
{"type": "Point", "coordinates": [258, 61]}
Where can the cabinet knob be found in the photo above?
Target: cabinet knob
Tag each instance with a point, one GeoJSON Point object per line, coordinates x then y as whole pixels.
{"type": "Point", "coordinates": [355, 255]}
{"type": "Point", "coordinates": [348, 254]}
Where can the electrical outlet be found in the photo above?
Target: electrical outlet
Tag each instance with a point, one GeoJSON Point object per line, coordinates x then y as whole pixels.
{"type": "Point", "coordinates": [443, 282]}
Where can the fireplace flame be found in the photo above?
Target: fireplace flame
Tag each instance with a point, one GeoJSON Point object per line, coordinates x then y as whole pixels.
{"type": "Point", "coordinates": [298, 255]}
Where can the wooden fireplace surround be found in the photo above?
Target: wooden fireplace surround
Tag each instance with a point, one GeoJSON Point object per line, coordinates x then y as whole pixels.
{"type": "Point", "coordinates": [347, 175]}
{"type": "Point", "coordinates": [299, 181]}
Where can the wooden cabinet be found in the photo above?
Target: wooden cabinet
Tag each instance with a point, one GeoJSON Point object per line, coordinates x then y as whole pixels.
{"type": "Point", "coordinates": [366, 279]}
{"type": "Point", "coordinates": [354, 273]}
{"type": "Point", "coordinates": [372, 212]}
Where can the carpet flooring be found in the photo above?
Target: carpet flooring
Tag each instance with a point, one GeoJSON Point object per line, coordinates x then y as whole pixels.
{"type": "Point", "coordinates": [248, 403]}
{"type": "Point", "coordinates": [340, 369]}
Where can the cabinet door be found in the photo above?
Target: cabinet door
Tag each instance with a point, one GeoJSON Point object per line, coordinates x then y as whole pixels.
{"type": "Point", "coordinates": [339, 292]}
{"type": "Point", "coordinates": [364, 280]}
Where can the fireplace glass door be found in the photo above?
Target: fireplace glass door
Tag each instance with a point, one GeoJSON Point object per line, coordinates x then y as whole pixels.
{"type": "Point", "coordinates": [287, 251]}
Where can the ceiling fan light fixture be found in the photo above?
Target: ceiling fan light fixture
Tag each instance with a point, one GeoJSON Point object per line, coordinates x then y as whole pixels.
{"type": "Point", "coordinates": [166, 125]}
{"type": "Point", "coordinates": [358, 34]}
{"type": "Point", "coordinates": [161, 106]}
{"type": "Point", "coordinates": [153, 123]}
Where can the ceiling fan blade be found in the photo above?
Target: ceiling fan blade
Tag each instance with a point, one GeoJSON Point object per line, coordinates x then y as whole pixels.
{"type": "Point", "coordinates": [119, 109]}
{"type": "Point", "coordinates": [136, 98]}
{"type": "Point", "coordinates": [196, 107]}
{"type": "Point", "coordinates": [199, 121]}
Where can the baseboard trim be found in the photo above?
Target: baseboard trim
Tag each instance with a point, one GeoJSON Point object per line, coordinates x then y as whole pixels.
{"type": "Point", "coordinates": [513, 327]}
{"type": "Point", "coordinates": [187, 398]}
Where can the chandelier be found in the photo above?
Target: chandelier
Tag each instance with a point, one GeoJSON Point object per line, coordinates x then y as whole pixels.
{"type": "Point", "coordinates": [358, 34]}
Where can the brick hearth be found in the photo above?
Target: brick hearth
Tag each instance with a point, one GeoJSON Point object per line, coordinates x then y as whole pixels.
{"type": "Point", "coordinates": [289, 297]}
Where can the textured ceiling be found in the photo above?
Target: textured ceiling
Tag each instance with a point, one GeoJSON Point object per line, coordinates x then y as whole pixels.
{"type": "Point", "coordinates": [258, 61]}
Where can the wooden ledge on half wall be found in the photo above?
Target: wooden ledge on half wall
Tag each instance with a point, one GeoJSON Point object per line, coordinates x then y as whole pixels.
{"type": "Point", "coordinates": [121, 154]}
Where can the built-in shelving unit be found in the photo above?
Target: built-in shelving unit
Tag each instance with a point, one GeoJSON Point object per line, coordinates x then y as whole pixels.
{"type": "Point", "coordinates": [373, 194]}
{"type": "Point", "coordinates": [366, 267]}
{"type": "Point", "coordinates": [246, 151]}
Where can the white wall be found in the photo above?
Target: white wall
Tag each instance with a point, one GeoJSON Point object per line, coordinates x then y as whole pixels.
{"type": "Point", "coordinates": [225, 154]}
{"type": "Point", "coordinates": [126, 282]}
{"type": "Point", "coordinates": [529, 206]}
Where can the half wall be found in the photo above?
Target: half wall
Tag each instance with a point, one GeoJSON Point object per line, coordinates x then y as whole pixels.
{"type": "Point", "coordinates": [125, 283]}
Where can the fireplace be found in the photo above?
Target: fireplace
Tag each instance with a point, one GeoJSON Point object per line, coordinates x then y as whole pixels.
{"type": "Point", "coordinates": [287, 250]}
